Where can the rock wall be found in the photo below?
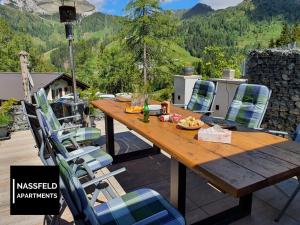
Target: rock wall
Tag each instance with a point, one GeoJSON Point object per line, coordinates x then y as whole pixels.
{"type": "Point", "coordinates": [20, 122]}
{"type": "Point", "coordinates": [280, 71]}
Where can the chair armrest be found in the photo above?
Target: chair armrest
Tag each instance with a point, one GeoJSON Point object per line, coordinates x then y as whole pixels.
{"type": "Point", "coordinates": [203, 112]}
{"type": "Point", "coordinates": [218, 117]}
{"type": "Point", "coordinates": [65, 136]}
{"type": "Point", "coordinates": [277, 132]}
{"type": "Point", "coordinates": [30, 116]}
{"type": "Point", "coordinates": [67, 117]}
{"type": "Point", "coordinates": [67, 128]}
{"type": "Point", "coordinates": [70, 137]}
{"type": "Point", "coordinates": [152, 218]}
{"type": "Point", "coordinates": [104, 177]}
{"type": "Point", "coordinates": [82, 154]}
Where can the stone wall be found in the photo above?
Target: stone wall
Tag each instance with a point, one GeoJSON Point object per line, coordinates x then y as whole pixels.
{"type": "Point", "coordinates": [20, 122]}
{"type": "Point", "coordinates": [280, 71]}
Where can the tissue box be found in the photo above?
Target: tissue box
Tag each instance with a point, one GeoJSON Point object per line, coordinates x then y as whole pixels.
{"type": "Point", "coordinates": [215, 134]}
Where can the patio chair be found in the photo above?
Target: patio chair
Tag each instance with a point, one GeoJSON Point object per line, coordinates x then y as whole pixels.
{"type": "Point", "coordinates": [202, 98]}
{"type": "Point", "coordinates": [80, 134]}
{"type": "Point", "coordinates": [79, 162]}
{"type": "Point", "coordinates": [29, 110]}
{"type": "Point", "coordinates": [87, 159]}
{"type": "Point", "coordinates": [140, 207]}
{"type": "Point", "coordinates": [84, 161]}
{"type": "Point", "coordinates": [249, 105]}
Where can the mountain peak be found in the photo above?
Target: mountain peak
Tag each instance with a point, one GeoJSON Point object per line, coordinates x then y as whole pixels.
{"type": "Point", "coordinates": [25, 5]}
{"type": "Point", "coordinates": [199, 9]}
{"type": "Point", "coordinates": [32, 6]}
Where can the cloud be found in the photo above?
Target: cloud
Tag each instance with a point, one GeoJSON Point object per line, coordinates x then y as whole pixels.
{"type": "Point", "coordinates": [98, 3]}
{"type": "Point", "coordinates": [167, 1]}
{"type": "Point", "coordinates": [221, 4]}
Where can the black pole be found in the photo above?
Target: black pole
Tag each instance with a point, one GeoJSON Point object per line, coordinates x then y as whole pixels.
{"type": "Point", "coordinates": [69, 36]}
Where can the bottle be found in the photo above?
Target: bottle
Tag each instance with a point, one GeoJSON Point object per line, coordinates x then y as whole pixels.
{"type": "Point", "coordinates": [146, 111]}
{"type": "Point", "coordinates": [166, 108]}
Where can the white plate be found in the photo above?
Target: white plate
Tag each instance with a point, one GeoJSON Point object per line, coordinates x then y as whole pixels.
{"type": "Point", "coordinates": [124, 95]}
{"type": "Point", "coordinates": [189, 128]}
{"type": "Point", "coordinates": [154, 107]}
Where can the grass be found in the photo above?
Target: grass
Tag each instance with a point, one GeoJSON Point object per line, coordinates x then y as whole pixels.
{"type": "Point", "coordinates": [265, 33]}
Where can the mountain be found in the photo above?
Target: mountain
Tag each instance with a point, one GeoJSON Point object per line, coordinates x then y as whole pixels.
{"type": "Point", "coordinates": [26, 5]}
{"type": "Point", "coordinates": [235, 30]}
{"type": "Point", "coordinates": [49, 32]}
{"type": "Point", "coordinates": [199, 9]}
{"type": "Point", "coordinates": [180, 12]}
{"type": "Point", "coordinates": [33, 7]}
{"type": "Point", "coordinates": [251, 24]}
{"type": "Point", "coordinates": [268, 9]}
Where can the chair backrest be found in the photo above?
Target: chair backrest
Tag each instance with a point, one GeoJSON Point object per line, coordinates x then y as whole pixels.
{"type": "Point", "coordinates": [202, 96]}
{"type": "Point", "coordinates": [43, 104]}
{"type": "Point", "coordinates": [57, 146]}
{"type": "Point", "coordinates": [249, 105]}
{"type": "Point", "coordinates": [75, 195]}
{"type": "Point", "coordinates": [34, 126]}
{"type": "Point", "coordinates": [45, 151]}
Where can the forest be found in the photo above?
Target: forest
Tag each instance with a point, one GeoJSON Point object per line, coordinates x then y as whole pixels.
{"type": "Point", "coordinates": [110, 51]}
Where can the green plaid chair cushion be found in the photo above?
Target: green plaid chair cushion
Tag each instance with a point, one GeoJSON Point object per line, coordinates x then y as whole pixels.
{"type": "Point", "coordinates": [76, 198]}
{"type": "Point", "coordinates": [95, 160]}
{"type": "Point", "coordinates": [249, 105]}
{"type": "Point", "coordinates": [44, 105]}
{"type": "Point", "coordinates": [202, 96]}
{"type": "Point", "coordinates": [86, 133]}
{"type": "Point", "coordinates": [136, 206]}
{"type": "Point", "coordinates": [126, 210]}
{"type": "Point", "coordinates": [80, 134]}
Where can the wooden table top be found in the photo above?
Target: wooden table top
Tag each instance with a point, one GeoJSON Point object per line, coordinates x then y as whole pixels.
{"type": "Point", "coordinates": [252, 161]}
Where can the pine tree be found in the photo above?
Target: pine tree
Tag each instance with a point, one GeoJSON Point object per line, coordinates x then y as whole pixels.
{"type": "Point", "coordinates": [296, 33]}
{"type": "Point", "coordinates": [147, 30]}
{"type": "Point", "coordinates": [285, 36]}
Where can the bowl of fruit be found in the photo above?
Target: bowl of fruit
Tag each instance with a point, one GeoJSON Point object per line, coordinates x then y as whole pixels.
{"type": "Point", "coordinates": [134, 109]}
{"type": "Point", "coordinates": [124, 97]}
{"type": "Point", "coordinates": [190, 123]}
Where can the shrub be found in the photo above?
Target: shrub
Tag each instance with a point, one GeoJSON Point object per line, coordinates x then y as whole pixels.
{"type": "Point", "coordinates": [5, 115]}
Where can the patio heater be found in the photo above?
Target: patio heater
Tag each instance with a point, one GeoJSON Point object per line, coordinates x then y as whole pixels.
{"type": "Point", "coordinates": [68, 10]}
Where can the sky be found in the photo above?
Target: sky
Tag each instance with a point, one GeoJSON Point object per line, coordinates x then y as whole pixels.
{"type": "Point", "coordinates": [115, 7]}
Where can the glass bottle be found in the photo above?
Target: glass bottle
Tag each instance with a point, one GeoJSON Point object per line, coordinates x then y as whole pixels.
{"type": "Point", "coordinates": [146, 111]}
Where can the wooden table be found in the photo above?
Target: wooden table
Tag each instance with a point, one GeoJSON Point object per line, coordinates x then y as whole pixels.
{"type": "Point", "coordinates": [252, 161]}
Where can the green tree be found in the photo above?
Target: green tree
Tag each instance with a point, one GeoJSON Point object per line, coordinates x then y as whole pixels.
{"type": "Point", "coordinates": [117, 71]}
{"type": "Point", "coordinates": [11, 43]}
{"type": "Point", "coordinates": [148, 30]}
{"type": "Point", "coordinates": [296, 33]}
{"type": "Point", "coordinates": [285, 36]}
{"type": "Point", "coordinates": [272, 43]}
{"type": "Point", "coordinates": [215, 61]}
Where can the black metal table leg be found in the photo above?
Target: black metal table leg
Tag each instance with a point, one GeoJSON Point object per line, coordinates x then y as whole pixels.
{"type": "Point", "coordinates": [156, 149]}
{"type": "Point", "coordinates": [110, 145]}
{"type": "Point", "coordinates": [230, 215]}
{"type": "Point", "coordinates": [178, 185]}
{"type": "Point", "coordinates": [110, 138]}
